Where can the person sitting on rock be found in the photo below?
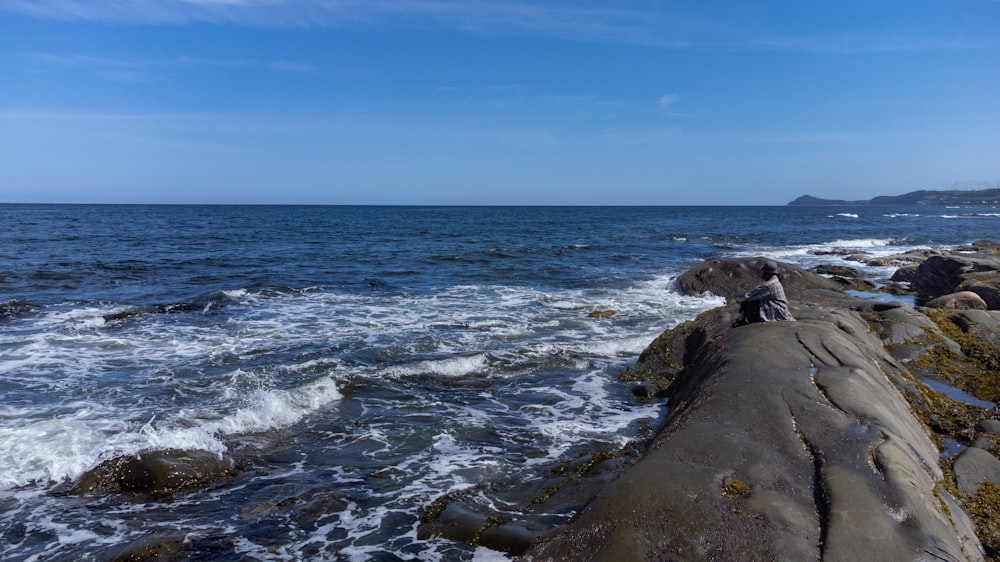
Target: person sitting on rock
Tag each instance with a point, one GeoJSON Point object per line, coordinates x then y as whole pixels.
{"type": "Point", "coordinates": [766, 302]}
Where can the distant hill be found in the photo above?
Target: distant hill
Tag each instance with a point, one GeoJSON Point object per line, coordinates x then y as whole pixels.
{"type": "Point", "coordinates": [924, 197]}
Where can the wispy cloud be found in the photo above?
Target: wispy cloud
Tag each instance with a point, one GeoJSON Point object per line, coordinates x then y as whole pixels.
{"type": "Point", "coordinates": [806, 137]}
{"type": "Point", "coordinates": [667, 100]}
{"type": "Point", "coordinates": [120, 69]}
{"type": "Point", "coordinates": [110, 68]}
{"type": "Point", "coordinates": [645, 23]}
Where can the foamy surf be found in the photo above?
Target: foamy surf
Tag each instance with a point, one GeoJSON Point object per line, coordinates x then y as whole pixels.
{"type": "Point", "coordinates": [60, 449]}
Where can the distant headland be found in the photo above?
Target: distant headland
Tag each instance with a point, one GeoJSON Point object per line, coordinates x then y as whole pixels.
{"type": "Point", "coordinates": [924, 197]}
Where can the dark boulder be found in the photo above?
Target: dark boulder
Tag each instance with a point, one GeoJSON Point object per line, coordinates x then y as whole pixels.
{"type": "Point", "coordinates": [988, 289]}
{"type": "Point", "coordinates": [733, 277]}
{"type": "Point", "coordinates": [157, 473]}
{"type": "Point", "coordinates": [945, 274]}
{"type": "Point", "coordinates": [905, 274]}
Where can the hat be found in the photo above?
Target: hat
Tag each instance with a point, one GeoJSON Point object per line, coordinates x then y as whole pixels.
{"type": "Point", "coordinates": [769, 268]}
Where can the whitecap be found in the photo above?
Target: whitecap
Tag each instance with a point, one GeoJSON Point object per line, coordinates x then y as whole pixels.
{"type": "Point", "coordinates": [448, 367]}
{"type": "Point", "coordinates": [63, 448]}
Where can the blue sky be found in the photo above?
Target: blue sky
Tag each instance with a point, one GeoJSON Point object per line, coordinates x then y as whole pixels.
{"type": "Point", "coordinates": [583, 102]}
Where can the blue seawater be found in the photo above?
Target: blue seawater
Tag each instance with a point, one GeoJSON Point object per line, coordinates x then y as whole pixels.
{"type": "Point", "coordinates": [367, 360]}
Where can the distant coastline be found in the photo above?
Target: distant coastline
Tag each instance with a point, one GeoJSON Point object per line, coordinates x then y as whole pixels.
{"type": "Point", "coordinates": [924, 197]}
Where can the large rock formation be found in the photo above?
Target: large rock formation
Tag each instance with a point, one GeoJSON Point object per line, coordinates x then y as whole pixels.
{"type": "Point", "coordinates": [816, 439]}
{"type": "Point", "coordinates": [975, 269]}
{"type": "Point", "coordinates": [785, 441]}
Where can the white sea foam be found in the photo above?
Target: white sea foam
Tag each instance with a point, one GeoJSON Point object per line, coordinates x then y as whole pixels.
{"type": "Point", "coordinates": [495, 324]}
{"type": "Point", "coordinates": [63, 448]}
{"type": "Point", "coordinates": [53, 449]}
{"type": "Point", "coordinates": [449, 367]}
{"type": "Point", "coordinates": [194, 384]}
{"type": "Point", "coordinates": [810, 255]}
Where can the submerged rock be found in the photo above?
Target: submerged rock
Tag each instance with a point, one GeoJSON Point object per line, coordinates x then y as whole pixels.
{"type": "Point", "coordinates": [171, 546]}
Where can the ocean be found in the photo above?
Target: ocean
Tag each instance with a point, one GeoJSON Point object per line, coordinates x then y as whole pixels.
{"type": "Point", "coordinates": [362, 361]}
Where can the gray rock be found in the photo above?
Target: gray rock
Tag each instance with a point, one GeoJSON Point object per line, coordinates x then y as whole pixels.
{"type": "Point", "coordinates": [975, 466]}
{"type": "Point", "coordinates": [984, 442]}
{"type": "Point", "coordinates": [780, 436]}
{"type": "Point", "coordinates": [990, 426]}
{"type": "Point", "coordinates": [962, 300]}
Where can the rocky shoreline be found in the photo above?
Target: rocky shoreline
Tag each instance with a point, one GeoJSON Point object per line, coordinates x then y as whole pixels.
{"type": "Point", "coordinates": [865, 430]}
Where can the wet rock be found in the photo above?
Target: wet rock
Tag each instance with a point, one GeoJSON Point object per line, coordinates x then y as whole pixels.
{"type": "Point", "coordinates": [174, 546]}
{"type": "Point", "coordinates": [903, 260]}
{"type": "Point", "coordinates": [602, 314]}
{"type": "Point", "coordinates": [974, 467]}
{"type": "Point", "coordinates": [157, 473]}
{"type": "Point", "coordinates": [123, 315]}
{"type": "Point", "coordinates": [836, 270]}
{"type": "Point", "coordinates": [732, 278]}
{"type": "Point", "coordinates": [153, 548]}
{"type": "Point", "coordinates": [846, 277]}
{"type": "Point", "coordinates": [646, 390]}
{"type": "Point", "coordinates": [512, 538]}
{"type": "Point", "coordinates": [462, 522]}
{"type": "Point", "coordinates": [962, 300]}
{"type": "Point", "coordinates": [14, 308]}
{"type": "Point", "coordinates": [454, 522]}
